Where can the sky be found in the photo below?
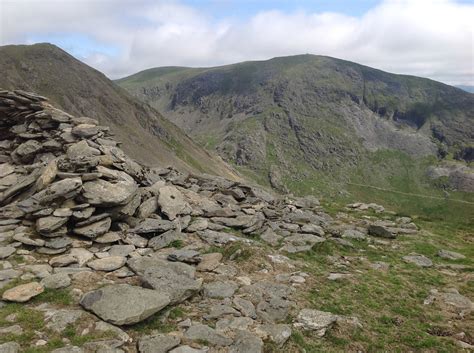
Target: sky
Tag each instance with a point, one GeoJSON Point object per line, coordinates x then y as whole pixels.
{"type": "Point", "coordinates": [428, 38]}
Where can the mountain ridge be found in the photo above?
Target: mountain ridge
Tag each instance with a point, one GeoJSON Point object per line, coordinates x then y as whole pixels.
{"type": "Point", "coordinates": [82, 90]}
{"type": "Point", "coordinates": [323, 112]}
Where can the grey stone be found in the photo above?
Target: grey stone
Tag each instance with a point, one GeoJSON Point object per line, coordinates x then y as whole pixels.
{"type": "Point", "coordinates": [419, 260]}
{"type": "Point", "coordinates": [11, 330]}
{"type": "Point", "coordinates": [6, 251]}
{"type": "Point", "coordinates": [218, 311]}
{"type": "Point", "coordinates": [219, 238]}
{"type": "Point", "coordinates": [209, 262]}
{"type": "Point", "coordinates": [187, 349]}
{"type": "Point", "coordinates": [165, 239]}
{"type": "Point", "coordinates": [381, 231]}
{"type": "Point", "coordinates": [246, 342]}
{"type": "Point", "coordinates": [450, 255]}
{"type": "Point", "coordinates": [23, 292]}
{"type": "Point", "coordinates": [47, 225]}
{"type": "Point", "coordinates": [58, 243]}
{"type": "Point", "coordinates": [123, 304]}
{"type": "Point", "coordinates": [196, 225]}
{"type": "Point", "coordinates": [56, 281]}
{"type": "Point", "coordinates": [153, 225]}
{"type": "Point", "coordinates": [270, 237]}
{"type": "Point", "coordinates": [10, 347]}
{"type": "Point", "coordinates": [220, 289]}
{"type": "Point", "coordinates": [278, 333]}
{"type": "Point", "coordinates": [245, 306]}
{"type": "Point", "coordinates": [175, 279]}
{"type": "Point", "coordinates": [171, 201]}
{"type": "Point", "coordinates": [58, 320]}
{"type": "Point", "coordinates": [208, 334]}
{"type": "Point", "coordinates": [187, 256]}
{"type": "Point", "coordinates": [158, 343]}
{"type": "Point", "coordinates": [60, 190]}
{"type": "Point", "coordinates": [104, 193]}
{"type": "Point", "coordinates": [95, 229]}
{"type": "Point", "coordinates": [107, 264]}
{"type": "Point", "coordinates": [85, 130]}
{"type": "Point", "coordinates": [315, 320]}
{"type": "Point", "coordinates": [62, 260]}
{"type": "Point", "coordinates": [121, 250]}
{"type": "Point", "coordinates": [147, 208]}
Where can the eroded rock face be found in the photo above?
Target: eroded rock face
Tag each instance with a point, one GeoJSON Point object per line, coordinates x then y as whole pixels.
{"type": "Point", "coordinates": [123, 304]}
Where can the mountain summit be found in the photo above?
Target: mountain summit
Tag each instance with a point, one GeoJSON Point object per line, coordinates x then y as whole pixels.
{"type": "Point", "coordinates": [303, 120]}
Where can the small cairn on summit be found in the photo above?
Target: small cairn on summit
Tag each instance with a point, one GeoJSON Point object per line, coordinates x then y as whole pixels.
{"type": "Point", "coordinates": [131, 241]}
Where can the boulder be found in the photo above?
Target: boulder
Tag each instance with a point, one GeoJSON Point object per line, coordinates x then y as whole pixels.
{"type": "Point", "coordinates": [95, 229]}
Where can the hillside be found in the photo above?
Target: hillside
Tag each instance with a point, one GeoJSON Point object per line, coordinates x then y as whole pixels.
{"type": "Point", "coordinates": [308, 123]}
{"type": "Point", "coordinates": [81, 90]}
{"type": "Point", "coordinates": [101, 254]}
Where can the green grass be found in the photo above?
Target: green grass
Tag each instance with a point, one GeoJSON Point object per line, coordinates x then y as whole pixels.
{"type": "Point", "coordinates": [388, 304]}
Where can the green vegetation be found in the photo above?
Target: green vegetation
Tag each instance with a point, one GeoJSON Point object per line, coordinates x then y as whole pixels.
{"type": "Point", "coordinates": [389, 303]}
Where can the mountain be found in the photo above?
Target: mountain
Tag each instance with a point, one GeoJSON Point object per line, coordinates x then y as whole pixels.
{"type": "Point", "coordinates": [308, 122]}
{"type": "Point", "coordinates": [469, 89]}
{"type": "Point", "coordinates": [81, 90]}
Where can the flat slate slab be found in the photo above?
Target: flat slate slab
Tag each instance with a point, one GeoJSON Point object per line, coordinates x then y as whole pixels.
{"type": "Point", "coordinates": [123, 304]}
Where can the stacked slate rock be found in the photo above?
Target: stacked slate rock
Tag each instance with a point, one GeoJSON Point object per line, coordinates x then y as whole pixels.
{"type": "Point", "coordinates": [87, 215]}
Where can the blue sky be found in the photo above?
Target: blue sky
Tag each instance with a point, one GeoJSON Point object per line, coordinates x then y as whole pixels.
{"type": "Point", "coordinates": [430, 38]}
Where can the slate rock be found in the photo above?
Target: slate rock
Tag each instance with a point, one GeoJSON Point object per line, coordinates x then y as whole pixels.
{"type": "Point", "coordinates": [106, 194]}
{"type": "Point", "coordinates": [10, 347]}
{"type": "Point", "coordinates": [56, 281]}
{"type": "Point", "coordinates": [23, 292]}
{"type": "Point", "coordinates": [418, 260]}
{"type": "Point", "coordinates": [123, 304]}
{"type": "Point", "coordinates": [246, 342]}
{"type": "Point", "coordinates": [220, 289]}
{"type": "Point", "coordinates": [450, 255]}
{"type": "Point", "coordinates": [165, 239]}
{"type": "Point", "coordinates": [171, 201]}
{"type": "Point", "coordinates": [6, 251]}
{"type": "Point", "coordinates": [158, 343]}
{"type": "Point", "coordinates": [315, 320]}
{"type": "Point", "coordinates": [153, 225]}
{"type": "Point", "coordinates": [208, 334]}
{"type": "Point", "coordinates": [381, 231]}
{"type": "Point", "coordinates": [175, 279]}
{"type": "Point", "coordinates": [95, 229]}
{"type": "Point", "coordinates": [110, 263]}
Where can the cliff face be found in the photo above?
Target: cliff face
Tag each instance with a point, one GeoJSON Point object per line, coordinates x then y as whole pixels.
{"type": "Point", "coordinates": [305, 117]}
{"type": "Point", "coordinates": [83, 91]}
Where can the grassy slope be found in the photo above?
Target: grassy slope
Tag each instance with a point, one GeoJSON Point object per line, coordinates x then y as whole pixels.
{"type": "Point", "coordinates": [81, 90]}
{"type": "Point", "coordinates": [246, 103]}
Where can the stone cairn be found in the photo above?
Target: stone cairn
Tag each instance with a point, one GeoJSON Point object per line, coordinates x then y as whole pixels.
{"type": "Point", "coordinates": [132, 242]}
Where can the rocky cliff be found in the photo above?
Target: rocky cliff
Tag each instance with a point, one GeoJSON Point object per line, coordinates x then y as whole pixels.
{"type": "Point", "coordinates": [302, 119]}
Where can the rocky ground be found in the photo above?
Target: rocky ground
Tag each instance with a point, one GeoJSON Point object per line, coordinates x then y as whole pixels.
{"type": "Point", "coordinates": [101, 254]}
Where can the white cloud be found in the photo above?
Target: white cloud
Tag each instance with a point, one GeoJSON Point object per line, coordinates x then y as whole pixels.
{"type": "Point", "coordinates": [427, 38]}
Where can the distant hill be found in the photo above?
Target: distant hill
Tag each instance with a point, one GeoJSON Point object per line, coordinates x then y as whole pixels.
{"type": "Point", "coordinates": [81, 90]}
{"type": "Point", "coordinates": [307, 122]}
{"type": "Point", "coordinates": [469, 89]}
